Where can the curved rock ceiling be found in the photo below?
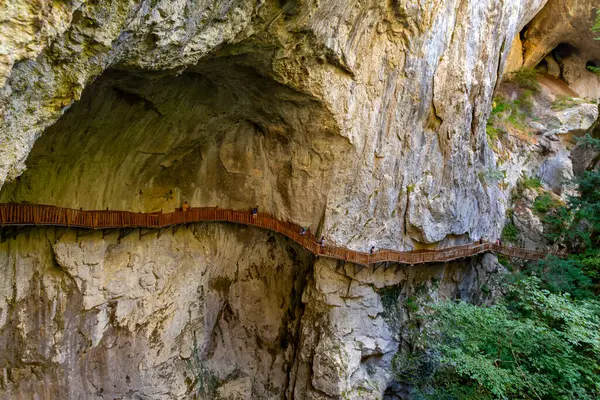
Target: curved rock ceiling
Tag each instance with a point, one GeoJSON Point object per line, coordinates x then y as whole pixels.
{"type": "Point", "coordinates": [220, 134]}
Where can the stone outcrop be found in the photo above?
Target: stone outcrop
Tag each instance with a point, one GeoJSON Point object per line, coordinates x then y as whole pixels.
{"type": "Point", "coordinates": [585, 156]}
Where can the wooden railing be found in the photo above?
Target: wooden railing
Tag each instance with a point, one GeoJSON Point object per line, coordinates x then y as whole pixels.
{"type": "Point", "coordinates": [45, 215]}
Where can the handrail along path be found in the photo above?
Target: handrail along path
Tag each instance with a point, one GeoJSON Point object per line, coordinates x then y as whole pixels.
{"type": "Point", "coordinates": [14, 214]}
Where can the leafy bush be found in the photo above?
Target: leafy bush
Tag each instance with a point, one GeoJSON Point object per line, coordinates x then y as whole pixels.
{"type": "Point", "coordinates": [525, 78]}
{"type": "Point", "coordinates": [499, 105]}
{"type": "Point", "coordinates": [510, 233]}
{"type": "Point", "coordinates": [561, 276]}
{"type": "Point", "coordinates": [533, 345]}
{"type": "Point", "coordinates": [544, 203]}
{"type": "Point", "coordinates": [531, 182]}
{"type": "Point", "coordinates": [492, 133]}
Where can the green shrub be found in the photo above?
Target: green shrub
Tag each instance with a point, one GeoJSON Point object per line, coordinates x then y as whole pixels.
{"type": "Point", "coordinates": [505, 262]}
{"type": "Point", "coordinates": [593, 69]}
{"type": "Point", "coordinates": [510, 233]}
{"type": "Point", "coordinates": [531, 182]}
{"type": "Point", "coordinates": [544, 203]}
{"type": "Point", "coordinates": [499, 105]}
{"type": "Point", "coordinates": [526, 78]}
{"type": "Point", "coordinates": [411, 304]}
{"type": "Point", "coordinates": [492, 133]}
{"type": "Point", "coordinates": [534, 344]}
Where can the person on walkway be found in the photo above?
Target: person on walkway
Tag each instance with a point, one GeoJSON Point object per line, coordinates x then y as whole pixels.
{"type": "Point", "coordinates": [481, 241]}
{"type": "Point", "coordinates": [372, 250]}
{"type": "Point", "coordinates": [303, 231]}
{"type": "Point", "coordinates": [185, 206]}
{"type": "Point", "coordinates": [499, 242]}
{"type": "Point", "coordinates": [322, 242]}
{"type": "Point", "coordinates": [254, 212]}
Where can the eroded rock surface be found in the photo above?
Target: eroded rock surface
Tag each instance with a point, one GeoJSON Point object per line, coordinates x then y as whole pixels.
{"type": "Point", "coordinates": [402, 89]}
{"type": "Point", "coordinates": [170, 317]}
{"type": "Point", "coordinates": [209, 311]}
{"type": "Point", "coordinates": [560, 39]}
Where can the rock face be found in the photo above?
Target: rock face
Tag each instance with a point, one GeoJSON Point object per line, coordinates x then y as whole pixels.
{"type": "Point", "coordinates": [169, 317]}
{"type": "Point", "coordinates": [364, 121]}
{"type": "Point", "coordinates": [209, 311]}
{"type": "Point", "coordinates": [400, 91]}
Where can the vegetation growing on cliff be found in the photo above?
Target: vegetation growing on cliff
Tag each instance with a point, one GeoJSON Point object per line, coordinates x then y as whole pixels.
{"type": "Point", "coordinates": [596, 29]}
{"type": "Point", "coordinates": [526, 78]}
{"type": "Point", "coordinates": [534, 345]}
{"type": "Point", "coordinates": [542, 340]}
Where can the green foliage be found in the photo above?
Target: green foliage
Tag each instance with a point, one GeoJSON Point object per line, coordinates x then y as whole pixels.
{"type": "Point", "coordinates": [541, 341]}
{"type": "Point", "coordinates": [525, 78]}
{"type": "Point", "coordinates": [530, 182]}
{"type": "Point", "coordinates": [510, 233]}
{"type": "Point", "coordinates": [576, 224]}
{"type": "Point", "coordinates": [514, 112]}
{"type": "Point", "coordinates": [411, 304]}
{"type": "Point", "coordinates": [544, 203]}
{"type": "Point", "coordinates": [593, 69]}
{"type": "Point", "coordinates": [533, 345]}
{"type": "Point", "coordinates": [561, 276]}
{"type": "Point", "coordinates": [556, 223]}
{"type": "Point", "coordinates": [590, 141]}
{"type": "Point", "coordinates": [392, 312]}
{"type": "Point", "coordinates": [563, 102]}
{"type": "Point", "coordinates": [500, 105]}
{"type": "Point", "coordinates": [504, 261]}
{"type": "Point", "coordinates": [492, 134]}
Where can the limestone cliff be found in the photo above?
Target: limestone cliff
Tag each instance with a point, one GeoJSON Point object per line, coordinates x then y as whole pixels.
{"type": "Point", "coordinates": [363, 120]}
{"type": "Point", "coordinates": [198, 312]}
{"type": "Point", "coordinates": [381, 106]}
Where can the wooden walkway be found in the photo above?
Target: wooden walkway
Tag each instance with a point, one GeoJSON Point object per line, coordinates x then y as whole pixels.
{"type": "Point", "coordinates": [45, 215]}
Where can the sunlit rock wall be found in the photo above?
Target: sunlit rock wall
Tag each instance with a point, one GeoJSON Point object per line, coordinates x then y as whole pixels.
{"type": "Point", "coordinates": [391, 96]}
{"type": "Point", "coordinates": [206, 311]}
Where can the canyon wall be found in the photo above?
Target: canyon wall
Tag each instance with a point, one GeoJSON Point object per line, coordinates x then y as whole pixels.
{"type": "Point", "coordinates": [364, 121]}
{"type": "Point", "coordinates": [205, 311]}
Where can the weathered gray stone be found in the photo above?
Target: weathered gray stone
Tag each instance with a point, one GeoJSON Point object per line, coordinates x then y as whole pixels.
{"type": "Point", "coordinates": [206, 308]}
{"type": "Point", "coordinates": [399, 114]}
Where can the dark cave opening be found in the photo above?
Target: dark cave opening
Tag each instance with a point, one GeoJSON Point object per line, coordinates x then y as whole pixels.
{"type": "Point", "coordinates": [563, 50]}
